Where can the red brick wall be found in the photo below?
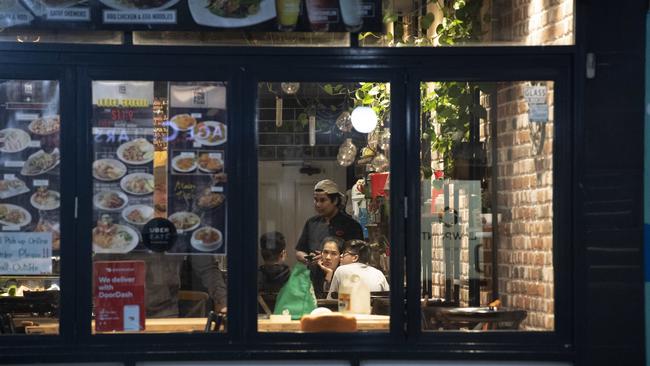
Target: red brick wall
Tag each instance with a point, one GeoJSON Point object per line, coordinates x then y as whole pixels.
{"type": "Point", "coordinates": [524, 172]}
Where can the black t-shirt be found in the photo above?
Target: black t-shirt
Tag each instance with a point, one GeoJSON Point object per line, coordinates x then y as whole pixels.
{"type": "Point", "coordinates": [317, 228]}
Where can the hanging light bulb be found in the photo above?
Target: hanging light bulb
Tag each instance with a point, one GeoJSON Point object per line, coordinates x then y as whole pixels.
{"type": "Point", "coordinates": [347, 153]}
{"type": "Point", "coordinates": [364, 119]}
{"type": "Point", "coordinates": [380, 163]}
{"type": "Point", "coordinates": [344, 122]}
{"type": "Point", "coordinates": [290, 88]}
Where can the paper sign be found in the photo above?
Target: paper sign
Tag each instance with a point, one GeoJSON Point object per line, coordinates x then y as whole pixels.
{"type": "Point", "coordinates": [26, 116]}
{"type": "Point", "coordinates": [119, 295]}
{"type": "Point", "coordinates": [14, 164]}
{"type": "Point", "coordinates": [537, 106]}
{"type": "Point", "coordinates": [25, 253]}
{"type": "Point", "coordinates": [41, 182]}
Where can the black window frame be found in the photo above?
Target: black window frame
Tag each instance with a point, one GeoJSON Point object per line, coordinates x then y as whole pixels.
{"type": "Point", "coordinates": [592, 333]}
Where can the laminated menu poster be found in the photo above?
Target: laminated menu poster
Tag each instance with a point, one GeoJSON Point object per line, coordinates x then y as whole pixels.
{"type": "Point", "coordinates": [118, 295]}
{"type": "Point", "coordinates": [256, 15]}
{"type": "Point", "coordinates": [29, 159]}
{"type": "Point", "coordinates": [197, 140]}
{"type": "Point", "coordinates": [123, 154]}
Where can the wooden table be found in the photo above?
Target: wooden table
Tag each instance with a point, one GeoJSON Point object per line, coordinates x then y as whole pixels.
{"type": "Point", "coordinates": [184, 325]}
{"type": "Point", "coordinates": [375, 323]}
{"type": "Point", "coordinates": [158, 325]}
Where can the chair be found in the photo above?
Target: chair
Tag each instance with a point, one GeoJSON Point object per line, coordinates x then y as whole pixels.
{"type": "Point", "coordinates": [193, 304]}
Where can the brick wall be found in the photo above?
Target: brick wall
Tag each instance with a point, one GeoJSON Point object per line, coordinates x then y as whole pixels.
{"type": "Point", "coordinates": [525, 170]}
{"type": "Point", "coordinates": [525, 201]}
{"type": "Point", "coordinates": [524, 173]}
{"type": "Point", "coordinates": [531, 22]}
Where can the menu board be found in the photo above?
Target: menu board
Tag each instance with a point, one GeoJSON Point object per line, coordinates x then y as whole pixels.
{"type": "Point", "coordinates": [145, 168]}
{"type": "Point", "coordinates": [197, 141]}
{"type": "Point", "coordinates": [29, 164]}
{"type": "Point", "coordinates": [123, 181]}
{"type": "Point", "coordinates": [257, 15]}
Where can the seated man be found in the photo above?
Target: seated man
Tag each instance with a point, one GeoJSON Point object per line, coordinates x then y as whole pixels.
{"type": "Point", "coordinates": [354, 260]}
{"type": "Point", "coordinates": [273, 274]}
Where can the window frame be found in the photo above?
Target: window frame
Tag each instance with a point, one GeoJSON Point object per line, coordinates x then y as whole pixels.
{"type": "Point", "coordinates": [404, 68]}
{"type": "Point", "coordinates": [560, 338]}
{"type": "Point", "coordinates": [85, 194]}
{"type": "Point", "coordinates": [315, 75]}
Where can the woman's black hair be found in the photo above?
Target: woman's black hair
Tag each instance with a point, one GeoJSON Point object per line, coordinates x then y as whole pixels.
{"type": "Point", "coordinates": [271, 245]}
{"type": "Point", "coordinates": [360, 248]}
{"type": "Point", "coordinates": [333, 239]}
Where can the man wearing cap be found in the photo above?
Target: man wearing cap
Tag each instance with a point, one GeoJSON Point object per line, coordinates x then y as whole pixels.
{"type": "Point", "coordinates": [330, 221]}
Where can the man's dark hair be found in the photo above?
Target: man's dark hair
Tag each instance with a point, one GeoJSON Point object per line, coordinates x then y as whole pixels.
{"type": "Point", "coordinates": [271, 245]}
{"type": "Point", "coordinates": [360, 248]}
{"type": "Point", "coordinates": [333, 239]}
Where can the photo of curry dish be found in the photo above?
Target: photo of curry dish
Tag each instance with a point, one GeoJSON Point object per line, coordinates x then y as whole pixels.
{"type": "Point", "coordinates": [183, 122]}
{"type": "Point", "coordinates": [210, 163]}
{"type": "Point", "coordinates": [210, 199]}
{"type": "Point", "coordinates": [184, 163]}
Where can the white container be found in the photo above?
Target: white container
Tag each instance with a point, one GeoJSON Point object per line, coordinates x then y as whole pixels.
{"type": "Point", "coordinates": [354, 296]}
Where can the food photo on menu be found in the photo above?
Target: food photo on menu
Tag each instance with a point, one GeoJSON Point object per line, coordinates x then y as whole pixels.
{"type": "Point", "coordinates": [30, 184]}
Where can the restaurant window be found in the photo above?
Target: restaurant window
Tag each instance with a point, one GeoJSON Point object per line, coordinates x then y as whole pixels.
{"type": "Point", "coordinates": [30, 201]}
{"type": "Point", "coordinates": [444, 23]}
{"type": "Point", "coordinates": [324, 182]}
{"type": "Point", "coordinates": [487, 206]}
{"type": "Point", "coordinates": [159, 205]}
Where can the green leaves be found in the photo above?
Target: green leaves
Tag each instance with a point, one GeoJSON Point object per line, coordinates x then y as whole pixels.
{"type": "Point", "coordinates": [426, 21]}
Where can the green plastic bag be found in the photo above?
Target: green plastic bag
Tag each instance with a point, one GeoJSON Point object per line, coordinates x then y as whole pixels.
{"type": "Point", "coordinates": [297, 295]}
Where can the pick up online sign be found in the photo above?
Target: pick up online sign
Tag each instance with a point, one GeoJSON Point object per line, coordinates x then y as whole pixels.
{"type": "Point", "coordinates": [119, 295]}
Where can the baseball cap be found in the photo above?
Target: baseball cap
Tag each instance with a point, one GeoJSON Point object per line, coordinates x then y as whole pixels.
{"type": "Point", "coordinates": [327, 186]}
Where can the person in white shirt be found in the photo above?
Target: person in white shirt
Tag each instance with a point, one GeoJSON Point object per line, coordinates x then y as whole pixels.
{"type": "Point", "coordinates": [354, 260]}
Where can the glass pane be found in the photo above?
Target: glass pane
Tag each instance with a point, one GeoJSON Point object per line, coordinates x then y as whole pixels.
{"type": "Point", "coordinates": [30, 198]}
{"type": "Point", "coordinates": [480, 23]}
{"type": "Point", "coordinates": [487, 206]}
{"type": "Point", "coordinates": [323, 206]}
{"type": "Point", "coordinates": [159, 239]}
{"type": "Point", "coordinates": [247, 39]}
